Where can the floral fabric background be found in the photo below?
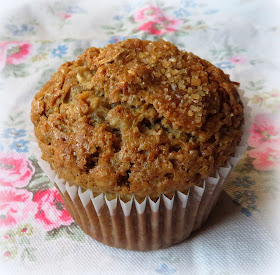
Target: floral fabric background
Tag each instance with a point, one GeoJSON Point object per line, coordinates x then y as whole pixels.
{"type": "Point", "coordinates": [37, 235]}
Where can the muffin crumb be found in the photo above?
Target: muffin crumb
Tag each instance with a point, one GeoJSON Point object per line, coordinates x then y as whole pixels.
{"type": "Point", "coordinates": [137, 117]}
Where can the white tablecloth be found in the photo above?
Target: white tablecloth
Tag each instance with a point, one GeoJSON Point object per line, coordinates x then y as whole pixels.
{"type": "Point", "coordinates": [37, 236]}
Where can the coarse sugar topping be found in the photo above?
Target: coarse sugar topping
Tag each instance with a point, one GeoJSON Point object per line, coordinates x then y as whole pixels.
{"type": "Point", "coordinates": [137, 117]}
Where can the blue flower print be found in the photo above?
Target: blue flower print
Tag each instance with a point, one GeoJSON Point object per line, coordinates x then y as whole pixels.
{"type": "Point", "coordinates": [59, 51]}
{"type": "Point", "coordinates": [211, 11]}
{"type": "Point", "coordinates": [118, 17]}
{"type": "Point", "coordinates": [19, 31]}
{"type": "Point", "coordinates": [224, 65]}
{"type": "Point", "coordinates": [127, 8]}
{"type": "Point", "coordinates": [245, 182]}
{"type": "Point", "coordinates": [246, 212]}
{"type": "Point", "coordinates": [74, 9]}
{"type": "Point", "coordinates": [189, 3]}
{"type": "Point", "coordinates": [13, 133]}
{"type": "Point", "coordinates": [247, 199]}
{"type": "Point", "coordinates": [164, 269]}
{"type": "Point", "coordinates": [117, 38]}
{"type": "Point", "coordinates": [181, 13]}
{"type": "Point", "coordinates": [20, 146]}
{"type": "Point", "coordinates": [26, 28]}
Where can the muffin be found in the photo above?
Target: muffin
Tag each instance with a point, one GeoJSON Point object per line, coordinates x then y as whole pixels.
{"type": "Point", "coordinates": [140, 136]}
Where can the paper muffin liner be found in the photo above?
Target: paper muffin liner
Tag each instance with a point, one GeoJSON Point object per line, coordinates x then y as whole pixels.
{"type": "Point", "coordinates": [150, 224]}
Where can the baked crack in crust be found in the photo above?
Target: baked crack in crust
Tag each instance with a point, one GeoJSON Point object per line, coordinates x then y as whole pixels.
{"type": "Point", "coordinates": [137, 117]}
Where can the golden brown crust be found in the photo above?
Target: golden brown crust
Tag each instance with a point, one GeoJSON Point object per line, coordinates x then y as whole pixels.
{"type": "Point", "coordinates": [137, 117]}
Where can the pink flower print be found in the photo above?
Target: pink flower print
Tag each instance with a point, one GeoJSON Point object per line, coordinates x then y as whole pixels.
{"type": "Point", "coordinates": [15, 170]}
{"type": "Point", "coordinates": [51, 211]}
{"type": "Point", "coordinates": [3, 53]}
{"type": "Point", "coordinates": [264, 130]}
{"type": "Point", "coordinates": [160, 27]}
{"type": "Point", "coordinates": [17, 52]}
{"type": "Point", "coordinates": [238, 59]}
{"type": "Point", "coordinates": [266, 157]}
{"type": "Point", "coordinates": [15, 206]}
{"type": "Point", "coordinates": [64, 15]}
{"type": "Point", "coordinates": [149, 12]}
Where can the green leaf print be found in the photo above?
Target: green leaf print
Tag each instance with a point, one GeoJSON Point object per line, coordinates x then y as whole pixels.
{"type": "Point", "coordinates": [28, 253]}
{"type": "Point", "coordinates": [225, 53]}
{"type": "Point", "coordinates": [44, 78]}
{"type": "Point", "coordinates": [15, 120]}
{"type": "Point", "coordinates": [130, 19]}
{"type": "Point", "coordinates": [245, 165]}
{"type": "Point", "coordinates": [72, 231]}
{"type": "Point", "coordinates": [19, 70]}
{"type": "Point", "coordinates": [170, 258]}
{"type": "Point", "coordinates": [39, 180]}
{"type": "Point", "coordinates": [255, 85]}
{"type": "Point", "coordinates": [24, 240]}
{"type": "Point", "coordinates": [78, 51]}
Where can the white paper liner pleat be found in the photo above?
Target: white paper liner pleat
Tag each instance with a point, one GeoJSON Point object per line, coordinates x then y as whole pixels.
{"type": "Point", "coordinates": [126, 206]}
{"type": "Point", "coordinates": [98, 203]}
{"type": "Point", "coordinates": [141, 206]}
{"type": "Point", "coordinates": [84, 196]}
{"type": "Point", "coordinates": [183, 198]}
{"type": "Point", "coordinates": [60, 184]}
{"type": "Point", "coordinates": [149, 224]}
{"type": "Point", "coordinates": [72, 190]}
{"type": "Point", "coordinates": [154, 205]}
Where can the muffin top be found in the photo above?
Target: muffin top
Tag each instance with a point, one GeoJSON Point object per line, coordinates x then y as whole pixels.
{"type": "Point", "coordinates": [137, 117]}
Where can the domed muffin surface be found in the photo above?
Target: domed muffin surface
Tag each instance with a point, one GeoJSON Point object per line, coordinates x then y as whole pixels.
{"type": "Point", "coordinates": [137, 117]}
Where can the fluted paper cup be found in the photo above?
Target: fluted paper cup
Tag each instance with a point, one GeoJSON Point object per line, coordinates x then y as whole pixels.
{"type": "Point", "coordinates": [147, 224]}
